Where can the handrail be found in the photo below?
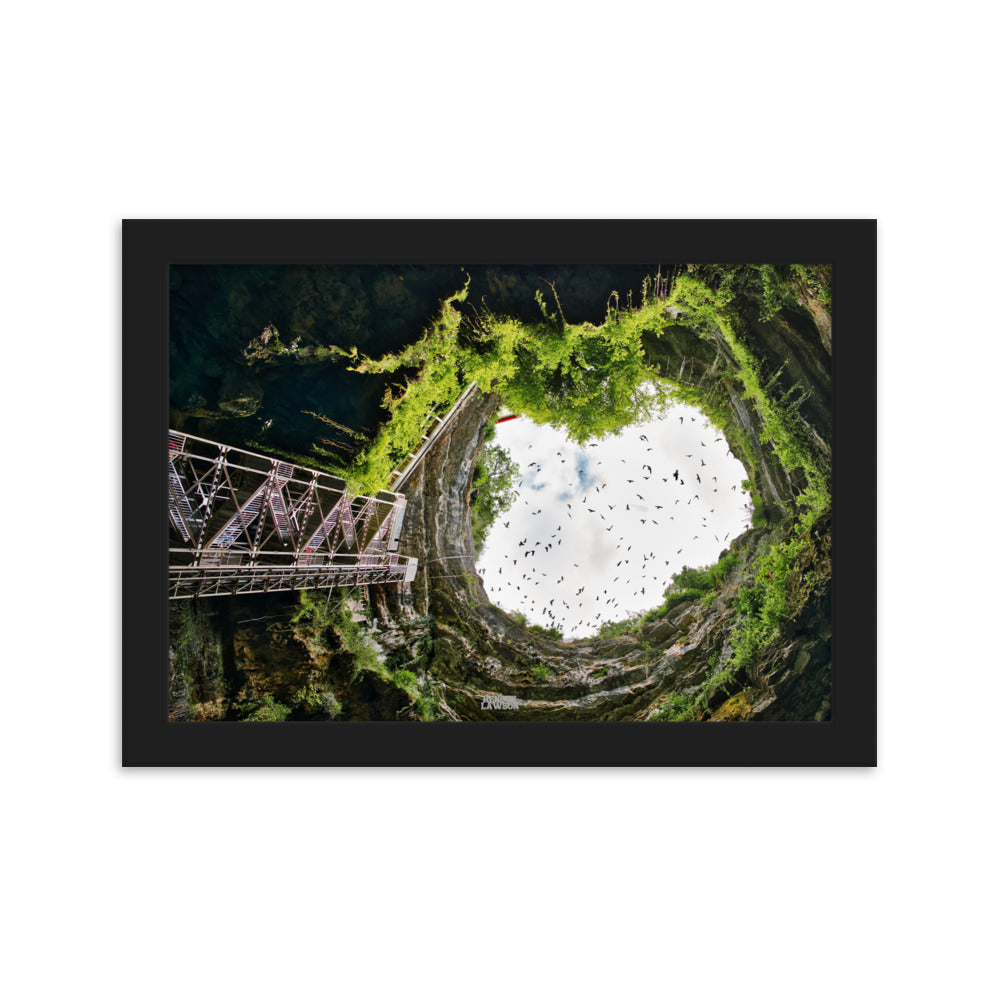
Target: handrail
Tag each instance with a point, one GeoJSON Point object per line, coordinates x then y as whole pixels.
{"type": "Point", "coordinates": [415, 458]}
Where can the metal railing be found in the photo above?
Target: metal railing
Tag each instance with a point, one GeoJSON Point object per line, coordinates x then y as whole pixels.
{"type": "Point", "coordinates": [245, 523]}
{"type": "Point", "coordinates": [439, 424]}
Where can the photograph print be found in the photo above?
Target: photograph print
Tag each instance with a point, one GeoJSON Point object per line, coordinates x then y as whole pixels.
{"type": "Point", "coordinates": [433, 493]}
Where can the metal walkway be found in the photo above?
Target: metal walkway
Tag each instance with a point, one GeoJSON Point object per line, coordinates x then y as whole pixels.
{"type": "Point", "coordinates": [438, 425]}
{"type": "Point", "coordinates": [244, 523]}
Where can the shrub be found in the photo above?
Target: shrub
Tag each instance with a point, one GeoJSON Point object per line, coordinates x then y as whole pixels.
{"type": "Point", "coordinates": [549, 633]}
{"type": "Point", "coordinates": [675, 708]}
{"type": "Point", "coordinates": [405, 679]}
{"type": "Point", "coordinates": [265, 709]}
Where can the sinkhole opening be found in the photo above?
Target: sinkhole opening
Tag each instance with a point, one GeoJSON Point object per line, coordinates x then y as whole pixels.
{"type": "Point", "coordinates": [594, 534]}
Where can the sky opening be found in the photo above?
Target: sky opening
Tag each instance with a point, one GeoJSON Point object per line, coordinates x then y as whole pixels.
{"type": "Point", "coordinates": [596, 532]}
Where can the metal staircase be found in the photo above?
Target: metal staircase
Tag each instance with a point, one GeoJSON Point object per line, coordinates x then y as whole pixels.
{"type": "Point", "coordinates": [246, 523]}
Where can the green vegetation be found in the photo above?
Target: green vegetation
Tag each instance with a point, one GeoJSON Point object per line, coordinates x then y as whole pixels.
{"type": "Point", "coordinates": [266, 348]}
{"type": "Point", "coordinates": [337, 631]}
{"type": "Point", "coordinates": [493, 490]}
{"type": "Point", "coordinates": [675, 708]}
{"type": "Point", "coordinates": [591, 381]}
{"type": "Point", "coordinates": [777, 588]}
{"type": "Point", "coordinates": [686, 585]}
{"type": "Point", "coordinates": [720, 299]}
{"type": "Point", "coordinates": [264, 709]}
{"type": "Point", "coordinates": [541, 672]}
{"type": "Point", "coordinates": [702, 582]}
{"type": "Point", "coordinates": [316, 702]}
{"type": "Point", "coordinates": [609, 630]}
{"type": "Point", "coordinates": [763, 289]}
{"type": "Point", "coordinates": [313, 622]}
{"type": "Point", "coordinates": [595, 380]}
{"type": "Point", "coordinates": [588, 380]}
{"type": "Point", "coordinates": [196, 679]}
{"type": "Point", "coordinates": [758, 517]}
{"type": "Point", "coordinates": [786, 576]}
{"type": "Point", "coordinates": [435, 387]}
{"type": "Point", "coordinates": [549, 633]}
{"type": "Point", "coordinates": [712, 311]}
{"type": "Point", "coordinates": [427, 704]}
{"type": "Point", "coordinates": [340, 652]}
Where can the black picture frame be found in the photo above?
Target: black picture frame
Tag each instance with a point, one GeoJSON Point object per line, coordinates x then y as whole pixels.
{"type": "Point", "coordinates": [151, 246]}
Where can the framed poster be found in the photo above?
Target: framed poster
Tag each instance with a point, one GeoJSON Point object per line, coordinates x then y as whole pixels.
{"type": "Point", "coordinates": [499, 492]}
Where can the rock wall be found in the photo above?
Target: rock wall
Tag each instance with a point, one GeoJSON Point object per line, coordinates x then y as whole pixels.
{"type": "Point", "coordinates": [479, 650]}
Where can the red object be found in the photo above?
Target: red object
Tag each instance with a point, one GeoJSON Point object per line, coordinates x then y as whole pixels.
{"type": "Point", "coordinates": [513, 416]}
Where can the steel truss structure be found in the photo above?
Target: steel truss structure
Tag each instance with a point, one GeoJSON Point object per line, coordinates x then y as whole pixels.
{"type": "Point", "coordinates": [244, 523]}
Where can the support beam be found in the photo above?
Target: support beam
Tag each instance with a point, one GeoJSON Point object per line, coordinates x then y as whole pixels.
{"type": "Point", "coordinates": [271, 525]}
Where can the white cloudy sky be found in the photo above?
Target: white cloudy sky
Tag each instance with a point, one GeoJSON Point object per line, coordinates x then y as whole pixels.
{"type": "Point", "coordinates": [595, 518]}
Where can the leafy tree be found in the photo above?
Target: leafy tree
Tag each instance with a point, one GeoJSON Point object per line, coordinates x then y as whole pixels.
{"type": "Point", "coordinates": [493, 490]}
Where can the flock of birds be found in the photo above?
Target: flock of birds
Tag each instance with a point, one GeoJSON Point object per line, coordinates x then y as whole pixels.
{"type": "Point", "coordinates": [654, 497]}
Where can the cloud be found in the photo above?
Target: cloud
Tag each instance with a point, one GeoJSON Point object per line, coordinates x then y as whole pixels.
{"type": "Point", "coordinates": [566, 532]}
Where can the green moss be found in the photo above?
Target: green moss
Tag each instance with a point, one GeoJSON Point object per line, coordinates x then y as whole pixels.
{"type": "Point", "coordinates": [675, 707]}
{"type": "Point", "coordinates": [735, 709]}
{"type": "Point", "coordinates": [197, 684]}
{"type": "Point", "coordinates": [264, 709]}
{"type": "Point", "coordinates": [405, 679]}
